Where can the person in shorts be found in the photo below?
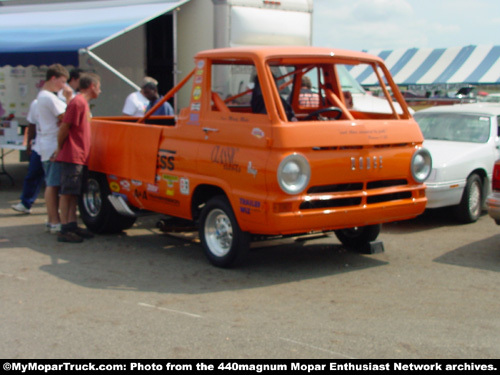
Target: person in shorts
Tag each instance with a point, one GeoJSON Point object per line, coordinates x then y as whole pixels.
{"type": "Point", "coordinates": [72, 155]}
{"type": "Point", "coordinates": [49, 112]}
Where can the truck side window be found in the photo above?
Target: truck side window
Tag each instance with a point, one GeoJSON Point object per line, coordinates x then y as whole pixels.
{"type": "Point", "coordinates": [232, 86]}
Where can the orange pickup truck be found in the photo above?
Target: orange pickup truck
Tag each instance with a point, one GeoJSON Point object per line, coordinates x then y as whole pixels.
{"type": "Point", "coordinates": [275, 141]}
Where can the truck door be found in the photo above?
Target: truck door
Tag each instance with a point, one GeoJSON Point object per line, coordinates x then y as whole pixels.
{"type": "Point", "coordinates": [234, 151]}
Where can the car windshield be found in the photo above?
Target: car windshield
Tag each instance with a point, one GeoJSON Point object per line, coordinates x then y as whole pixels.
{"type": "Point", "coordinates": [457, 127]}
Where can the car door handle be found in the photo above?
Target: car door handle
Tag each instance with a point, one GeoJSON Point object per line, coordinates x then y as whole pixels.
{"type": "Point", "coordinates": [208, 130]}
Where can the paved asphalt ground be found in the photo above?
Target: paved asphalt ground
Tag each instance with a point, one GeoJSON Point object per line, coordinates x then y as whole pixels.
{"type": "Point", "coordinates": [433, 293]}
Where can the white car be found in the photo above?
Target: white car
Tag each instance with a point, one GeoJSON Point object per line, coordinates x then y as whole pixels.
{"type": "Point", "coordinates": [464, 144]}
{"type": "Point", "coordinates": [492, 98]}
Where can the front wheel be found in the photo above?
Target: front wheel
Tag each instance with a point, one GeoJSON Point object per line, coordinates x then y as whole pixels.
{"type": "Point", "coordinates": [471, 205]}
{"type": "Point", "coordinates": [222, 239]}
{"type": "Point", "coordinates": [358, 237]}
{"type": "Point", "coordinates": [96, 211]}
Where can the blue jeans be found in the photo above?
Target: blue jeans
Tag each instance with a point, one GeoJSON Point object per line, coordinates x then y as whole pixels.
{"type": "Point", "coordinates": [33, 180]}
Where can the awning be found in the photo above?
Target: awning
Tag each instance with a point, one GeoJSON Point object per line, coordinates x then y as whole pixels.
{"type": "Point", "coordinates": [469, 65]}
{"type": "Point", "coordinates": [43, 34]}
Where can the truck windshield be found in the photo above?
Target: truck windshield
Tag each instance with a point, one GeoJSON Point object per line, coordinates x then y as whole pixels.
{"type": "Point", "coordinates": [303, 87]}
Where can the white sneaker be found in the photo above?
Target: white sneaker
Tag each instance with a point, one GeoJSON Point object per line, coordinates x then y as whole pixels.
{"type": "Point", "coordinates": [20, 207]}
{"type": "Point", "coordinates": [52, 228]}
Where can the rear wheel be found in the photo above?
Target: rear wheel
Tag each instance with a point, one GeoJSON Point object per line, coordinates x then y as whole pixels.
{"type": "Point", "coordinates": [471, 205]}
{"type": "Point", "coordinates": [222, 239]}
{"type": "Point", "coordinates": [358, 237]}
{"type": "Point", "coordinates": [96, 211]}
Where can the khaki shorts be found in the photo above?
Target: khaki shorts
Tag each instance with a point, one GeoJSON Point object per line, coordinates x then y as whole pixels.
{"type": "Point", "coordinates": [71, 178]}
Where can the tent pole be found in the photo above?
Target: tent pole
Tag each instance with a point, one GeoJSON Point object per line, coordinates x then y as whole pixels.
{"type": "Point", "coordinates": [86, 51]}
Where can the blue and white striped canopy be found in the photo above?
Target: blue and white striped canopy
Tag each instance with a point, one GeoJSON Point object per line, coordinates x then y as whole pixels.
{"type": "Point", "coordinates": [422, 66]}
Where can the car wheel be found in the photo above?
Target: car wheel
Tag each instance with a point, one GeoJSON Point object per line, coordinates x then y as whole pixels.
{"type": "Point", "coordinates": [222, 239]}
{"type": "Point", "coordinates": [95, 209]}
{"type": "Point", "coordinates": [471, 205]}
{"type": "Point", "coordinates": [358, 237]}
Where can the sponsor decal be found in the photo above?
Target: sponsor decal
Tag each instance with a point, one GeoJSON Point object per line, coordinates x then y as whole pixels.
{"type": "Point", "coordinates": [171, 180]}
{"type": "Point", "coordinates": [194, 119]}
{"type": "Point", "coordinates": [249, 205]}
{"type": "Point", "coordinates": [195, 107]}
{"type": "Point", "coordinates": [197, 93]}
{"type": "Point", "coordinates": [152, 188]}
{"type": "Point", "coordinates": [251, 170]}
{"type": "Point", "coordinates": [166, 200]}
{"type": "Point", "coordinates": [125, 184]}
{"type": "Point", "coordinates": [114, 186]}
{"type": "Point", "coordinates": [198, 79]}
{"type": "Point", "coordinates": [200, 64]}
{"type": "Point", "coordinates": [258, 133]}
{"type": "Point", "coordinates": [184, 186]}
{"type": "Point", "coordinates": [112, 177]}
{"type": "Point", "coordinates": [225, 156]}
{"type": "Point", "coordinates": [136, 182]}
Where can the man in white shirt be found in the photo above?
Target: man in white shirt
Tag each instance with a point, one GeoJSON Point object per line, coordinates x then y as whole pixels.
{"type": "Point", "coordinates": [50, 110]}
{"type": "Point", "coordinates": [136, 102]}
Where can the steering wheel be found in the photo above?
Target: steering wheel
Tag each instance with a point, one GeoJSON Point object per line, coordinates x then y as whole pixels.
{"type": "Point", "coordinates": [323, 110]}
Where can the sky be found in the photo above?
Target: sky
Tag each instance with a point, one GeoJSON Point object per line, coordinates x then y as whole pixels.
{"type": "Point", "coordinates": [393, 24]}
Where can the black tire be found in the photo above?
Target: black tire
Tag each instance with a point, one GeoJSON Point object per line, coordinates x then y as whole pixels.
{"type": "Point", "coordinates": [96, 211]}
{"type": "Point", "coordinates": [222, 239]}
{"type": "Point", "coordinates": [471, 205]}
{"type": "Point", "coordinates": [358, 237]}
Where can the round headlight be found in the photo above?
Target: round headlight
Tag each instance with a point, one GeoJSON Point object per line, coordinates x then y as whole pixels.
{"type": "Point", "coordinates": [421, 165]}
{"type": "Point", "coordinates": [293, 174]}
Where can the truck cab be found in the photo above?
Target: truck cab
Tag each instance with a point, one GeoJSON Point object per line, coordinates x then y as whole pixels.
{"type": "Point", "coordinates": [257, 154]}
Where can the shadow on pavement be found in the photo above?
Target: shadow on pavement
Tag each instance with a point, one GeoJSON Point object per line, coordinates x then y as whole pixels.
{"type": "Point", "coordinates": [484, 255]}
{"type": "Point", "coordinates": [156, 262]}
{"type": "Point", "coordinates": [430, 219]}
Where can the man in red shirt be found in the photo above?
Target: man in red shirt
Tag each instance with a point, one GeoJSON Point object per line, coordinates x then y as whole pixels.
{"type": "Point", "coordinates": [73, 151]}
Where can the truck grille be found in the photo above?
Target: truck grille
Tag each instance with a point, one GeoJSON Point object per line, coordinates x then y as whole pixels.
{"type": "Point", "coordinates": [355, 190]}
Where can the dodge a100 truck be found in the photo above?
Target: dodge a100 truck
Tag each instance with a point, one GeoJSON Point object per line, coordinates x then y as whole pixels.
{"type": "Point", "coordinates": [271, 144]}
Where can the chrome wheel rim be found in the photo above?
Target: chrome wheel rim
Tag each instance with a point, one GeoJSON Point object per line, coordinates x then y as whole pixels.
{"type": "Point", "coordinates": [218, 232]}
{"type": "Point", "coordinates": [475, 199]}
{"type": "Point", "coordinates": [92, 198]}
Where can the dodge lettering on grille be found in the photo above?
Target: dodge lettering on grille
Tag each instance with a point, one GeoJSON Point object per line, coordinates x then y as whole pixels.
{"type": "Point", "coordinates": [374, 162]}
